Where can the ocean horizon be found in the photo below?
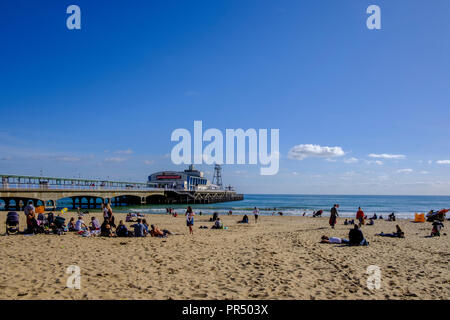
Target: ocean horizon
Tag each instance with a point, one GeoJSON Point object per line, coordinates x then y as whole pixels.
{"type": "Point", "coordinates": [295, 205]}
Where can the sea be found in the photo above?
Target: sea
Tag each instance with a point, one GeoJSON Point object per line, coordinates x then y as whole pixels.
{"type": "Point", "coordinates": [296, 205]}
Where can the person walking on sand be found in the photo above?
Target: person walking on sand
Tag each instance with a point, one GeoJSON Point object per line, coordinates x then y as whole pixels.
{"type": "Point", "coordinates": [190, 219]}
{"type": "Point", "coordinates": [333, 215]}
{"type": "Point", "coordinates": [360, 216]}
{"type": "Point", "coordinates": [256, 213]}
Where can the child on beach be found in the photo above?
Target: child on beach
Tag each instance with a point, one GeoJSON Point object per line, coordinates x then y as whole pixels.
{"type": "Point", "coordinates": [218, 224]}
{"type": "Point", "coordinates": [190, 219]}
{"type": "Point", "coordinates": [71, 224]}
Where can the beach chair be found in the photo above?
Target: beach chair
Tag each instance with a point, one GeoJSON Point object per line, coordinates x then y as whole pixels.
{"type": "Point", "coordinates": [419, 217]}
{"type": "Point", "coordinates": [12, 223]}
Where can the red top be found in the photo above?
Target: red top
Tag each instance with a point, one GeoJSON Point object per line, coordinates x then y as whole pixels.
{"type": "Point", "coordinates": [359, 214]}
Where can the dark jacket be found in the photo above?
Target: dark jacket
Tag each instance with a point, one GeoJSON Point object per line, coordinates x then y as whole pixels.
{"type": "Point", "coordinates": [355, 236]}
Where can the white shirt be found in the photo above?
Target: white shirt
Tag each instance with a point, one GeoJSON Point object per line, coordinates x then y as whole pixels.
{"type": "Point", "coordinates": [335, 240]}
{"type": "Point", "coordinates": [78, 225]}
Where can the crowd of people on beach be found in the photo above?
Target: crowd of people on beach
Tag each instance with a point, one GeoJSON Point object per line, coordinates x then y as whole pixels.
{"type": "Point", "coordinates": [141, 228]}
{"type": "Point", "coordinates": [356, 236]}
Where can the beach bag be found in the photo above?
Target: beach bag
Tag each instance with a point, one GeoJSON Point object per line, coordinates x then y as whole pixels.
{"type": "Point", "coordinates": [419, 217]}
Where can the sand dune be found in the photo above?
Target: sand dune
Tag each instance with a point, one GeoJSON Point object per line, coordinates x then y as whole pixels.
{"type": "Point", "coordinates": [278, 258]}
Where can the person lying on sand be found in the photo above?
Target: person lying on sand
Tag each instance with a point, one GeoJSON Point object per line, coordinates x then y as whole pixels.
{"type": "Point", "coordinates": [397, 234]}
{"type": "Point", "coordinates": [356, 237]}
{"type": "Point", "coordinates": [325, 239]}
{"type": "Point", "coordinates": [156, 232]}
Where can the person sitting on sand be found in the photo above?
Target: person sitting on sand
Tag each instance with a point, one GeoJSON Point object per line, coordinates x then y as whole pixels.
{"type": "Point", "coordinates": [121, 230]}
{"type": "Point", "coordinates": [325, 239]}
{"type": "Point", "coordinates": [129, 217]}
{"type": "Point", "coordinates": [214, 217]}
{"type": "Point", "coordinates": [156, 232]}
{"type": "Point", "coordinates": [345, 222]}
{"type": "Point", "coordinates": [139, 230]}
{"type": "Point", "coordinates": [437, 226]}
{"type": "Point", "coordinates": [370, 223]}
{"type": "Point", "coordinates": [230, 213]}
{"type": "Point", "coordinates": [71, 224]}
{"type": "Point", "coordinates": [356, 237]}
{"type": "Point", "coordinates": [397, 234]}
{"type": "Point", "coordinates": [374, 217]}
{"type": "Point", "coordinates": [94, 225]}
{"type": "Point", "coordinates": [106, 230]}
{"type": "Point", "coordinates": [80, 225]}
{"type": "Point", "coordinates": [391, 217]}
{"type": "Point", "coordinates": [146, 225]}
{"type": "Point", "coordinates": [218, 224]}
{"type": "Point", "coordinates": [244, 219]}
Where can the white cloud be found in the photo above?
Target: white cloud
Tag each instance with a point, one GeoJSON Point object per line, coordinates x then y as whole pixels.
{"type": "Point", "coordinates": [115, 159]}
{"type": "Point", "coordinates": [149, 162]}
{"type": "Point", "coordinates": [443, 162]}
{"type": "Point", "coordinates": [407, 171]}
{"type": "Point", "coordinates": [387, 156]}
{"type": "Point", "coordinates": [424, 172]}
{"type": "Point", "coordinates": [430, 162]}
{"type": "Point", "coordinates": [128, 151]}
{"type": "Point", "coordinates": [303, 151]}
{"type": "Point", "coordinates": [378, 162]}
{"type": "Point", "coordinates": [351, 160]}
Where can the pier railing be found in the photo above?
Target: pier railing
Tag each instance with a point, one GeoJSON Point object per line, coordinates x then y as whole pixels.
{"type": "Point", "coordinates": [8, 182]}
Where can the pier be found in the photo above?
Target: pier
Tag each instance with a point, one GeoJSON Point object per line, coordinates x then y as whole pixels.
{"type": "Point", "coordinates": [16, 191]}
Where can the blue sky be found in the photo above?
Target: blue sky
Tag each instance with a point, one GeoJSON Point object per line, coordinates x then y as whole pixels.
{"type": "Point", "coordinates": [102, 101]}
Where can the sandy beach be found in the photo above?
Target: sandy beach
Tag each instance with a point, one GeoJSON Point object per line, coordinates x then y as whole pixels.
{"type": "Point", "coordinates": [280, 257]}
